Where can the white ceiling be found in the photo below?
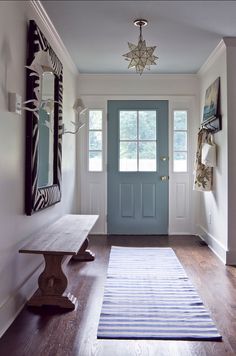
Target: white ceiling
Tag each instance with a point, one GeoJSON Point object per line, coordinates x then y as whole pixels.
{"type": "Point", "coordinates": [185, 32]}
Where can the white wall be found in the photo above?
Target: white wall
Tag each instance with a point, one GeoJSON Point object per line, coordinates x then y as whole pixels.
{"type": "Point", "coordinates": [17, 271]}
{"type": "Point", "coordinates": [213, 212]}
{"type": "Point", "coordinates": [182, 92]}
{"type": "Point", "coordinates": [231, 99]}
{"type": "Point", "coordinates": [133, 84]}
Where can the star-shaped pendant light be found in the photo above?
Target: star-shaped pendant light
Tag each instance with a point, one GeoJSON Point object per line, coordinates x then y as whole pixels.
{"type": "Point", "coordinates": [140, 56]}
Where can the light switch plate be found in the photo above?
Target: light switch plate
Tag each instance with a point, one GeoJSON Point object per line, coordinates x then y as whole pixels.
{"type": "Point", "coordinates": [15, 102]}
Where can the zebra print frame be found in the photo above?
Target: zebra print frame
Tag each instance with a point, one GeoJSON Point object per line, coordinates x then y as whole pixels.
{"type": "Point", "coordinates": [40, 198]}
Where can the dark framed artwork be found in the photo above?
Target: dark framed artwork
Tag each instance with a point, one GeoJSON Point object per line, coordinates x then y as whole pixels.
{"type": "Point", "coordinates": [211, 111]}
{"type": "Point", "coordinates": [43, 130]}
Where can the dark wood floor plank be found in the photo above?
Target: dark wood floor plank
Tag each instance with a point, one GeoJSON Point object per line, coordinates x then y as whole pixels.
{"type": "Point", "coordinates": [49, 332]}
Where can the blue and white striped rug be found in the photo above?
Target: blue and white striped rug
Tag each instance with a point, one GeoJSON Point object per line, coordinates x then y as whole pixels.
{"type": "Point", "coordinates": [148, 296]}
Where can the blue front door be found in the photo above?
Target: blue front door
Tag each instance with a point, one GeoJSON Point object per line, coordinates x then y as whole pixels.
{"type": "Point", "coordinates": [137, 167]}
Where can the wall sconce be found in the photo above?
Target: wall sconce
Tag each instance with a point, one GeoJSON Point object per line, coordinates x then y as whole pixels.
{"type": "Point", "coordinates": [81, 116]}
{"type": "Point", "coordinates": [41, 63]}
{"type": "Point", "coordinates": [15, 106]}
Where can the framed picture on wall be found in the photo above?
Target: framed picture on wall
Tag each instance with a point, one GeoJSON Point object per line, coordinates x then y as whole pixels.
{"type": "Point", "coordinates": [211, 110]}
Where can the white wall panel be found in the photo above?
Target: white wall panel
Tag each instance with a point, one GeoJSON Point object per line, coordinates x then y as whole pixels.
{"type": "Point", "coordinates": [213, 209]}
{"type": "Point", "coordinates": [18, 272]}
{"type": "Point", "coordinates": [181, 200]}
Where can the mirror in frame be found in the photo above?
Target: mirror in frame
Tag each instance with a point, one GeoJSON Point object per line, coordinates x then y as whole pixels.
{"type": "Point", "coordinates": [43, 123]}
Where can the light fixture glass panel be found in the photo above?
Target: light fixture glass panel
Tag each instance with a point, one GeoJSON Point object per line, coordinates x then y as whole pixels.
{"type": "Point", "coordinates": [95, 119]}
{"type": "Point", "coordinates": [180, 120]}
{"type": "Point", "coordinates": [180, 162]}
{"type": "Point", "coordinates": [95, 140]}
{"type": "Point", "coordinates": [128, 125]}
{"type": "Point", "coordinates": [128, 156]}
{"type": "Point", "coordinates": [147, 125]}
{"type": "Point", "coordinates": [180, 141]}
{"type": "Point", "coordinates": [95, 161]}
{"type": "Point", "coordinates": [147, 156]}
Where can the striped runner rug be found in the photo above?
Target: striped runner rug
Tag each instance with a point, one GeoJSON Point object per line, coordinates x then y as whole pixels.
{"type": "Point", "coordinates": [149, 296]}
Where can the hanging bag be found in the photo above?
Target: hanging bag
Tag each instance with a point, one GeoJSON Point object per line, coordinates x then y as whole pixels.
{"type": "Point", "coordinates": [208, 156]}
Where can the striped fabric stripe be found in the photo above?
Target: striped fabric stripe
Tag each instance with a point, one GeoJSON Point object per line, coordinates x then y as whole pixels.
{"type": "Point", "coordinates": [149, 296]}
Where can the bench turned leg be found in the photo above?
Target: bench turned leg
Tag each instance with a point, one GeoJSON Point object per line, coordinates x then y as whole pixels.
{"type": "Point", "coordinates": [52, 284]}
{"type": "Point", "coordinates": [84, 254]}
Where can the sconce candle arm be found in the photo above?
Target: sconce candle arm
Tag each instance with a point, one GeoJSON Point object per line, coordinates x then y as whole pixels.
{"type": "Point", "coordinates": [72, 132]}
{"type": "Point", "coordinates": [38, 104]}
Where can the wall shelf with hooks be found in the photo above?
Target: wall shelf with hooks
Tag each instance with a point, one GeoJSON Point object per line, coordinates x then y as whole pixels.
{"type": "Point", "coordinates": [213, 124]}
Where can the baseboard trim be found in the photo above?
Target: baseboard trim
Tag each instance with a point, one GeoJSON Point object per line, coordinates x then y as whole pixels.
{"type": "Point", "coordinates": [13, 305]}
{"type": "Point", "coordinates": [216, 247]}
{"type": "Point", "coordinates": [177, 233]}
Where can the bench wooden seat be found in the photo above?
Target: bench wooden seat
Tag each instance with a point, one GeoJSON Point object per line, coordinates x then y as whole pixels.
{"type": "Point", "coordinates": [67, 236]}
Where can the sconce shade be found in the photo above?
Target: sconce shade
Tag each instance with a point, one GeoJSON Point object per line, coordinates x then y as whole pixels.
{"type": "Point", "coordinates": [79, 106]}
{"type": "Point", "coordinates": [41, 63]}
{"type": "Point", "coordinates": [81, 117]}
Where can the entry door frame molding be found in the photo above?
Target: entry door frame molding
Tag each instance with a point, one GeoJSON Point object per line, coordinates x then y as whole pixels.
{"type": "Point", "coordinates": [93, 186]}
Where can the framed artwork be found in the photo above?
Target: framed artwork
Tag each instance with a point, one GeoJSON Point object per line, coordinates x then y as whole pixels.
{"type": "Point", "coordinates": [211, 110]}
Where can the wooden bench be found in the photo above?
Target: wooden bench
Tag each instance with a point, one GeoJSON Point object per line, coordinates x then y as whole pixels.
{"type": "Point", "coordinates": [67, 236]}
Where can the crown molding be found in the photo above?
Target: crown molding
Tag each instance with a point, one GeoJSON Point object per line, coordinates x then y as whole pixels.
{"type": "Point", "coordinates": [53, 34]}
{"type": "Point", "coordinates": [144, 76]}
{"type": "Point", "coordinates": [212, 58]}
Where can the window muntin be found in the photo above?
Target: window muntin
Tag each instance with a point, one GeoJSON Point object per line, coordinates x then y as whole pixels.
{"type": "Point", "coordinates": [180, 141]}
{"type": "Point", "coordinates": [95, 141]}
{"type": "Point", "coordinates": [137, 141]}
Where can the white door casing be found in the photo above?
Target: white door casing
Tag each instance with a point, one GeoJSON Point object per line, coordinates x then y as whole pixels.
{"type": "Point", "coordinates": [92, 186]}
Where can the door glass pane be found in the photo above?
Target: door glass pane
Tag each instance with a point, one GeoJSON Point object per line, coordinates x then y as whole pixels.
{"type": "Point", "coordinates": [128, 125]}
{"type": "Point", "coordinates": [180, 141]}
{"type": "Point", "coordinates": [95, 140]}
{"type": "Point", "coordinates": [95, 161]}
{"type": "Point", "coordinates": [180, 161]}
{"type": "Point", "coordinates": [95, 120]}
{"type": "Point", "coordinates": [147, 156]}
{"type": "Point", "coordinates": [128, 156]}
{"type": "Point", "coordinates": [180, 120]}
{"type": "Point", "coordinates": [147, 125]}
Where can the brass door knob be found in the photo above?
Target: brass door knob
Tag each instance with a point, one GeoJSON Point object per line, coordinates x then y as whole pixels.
{"type": "Point", "coordinates": [164, 159]}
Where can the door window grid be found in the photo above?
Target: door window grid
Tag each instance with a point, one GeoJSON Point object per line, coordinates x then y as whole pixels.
{"type": "Point", "coordinates": [135, 147]}
{"type": "Point", "coordinates": [95, 141]}
{"type": "Point", "coordinates": [180, 141]}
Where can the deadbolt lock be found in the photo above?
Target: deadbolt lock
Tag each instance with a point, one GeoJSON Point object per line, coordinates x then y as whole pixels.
{"type": "Point", "coordinates": [163, 178]}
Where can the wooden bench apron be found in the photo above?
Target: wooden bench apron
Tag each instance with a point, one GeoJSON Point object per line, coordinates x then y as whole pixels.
{"type": "Point", "coordinates": [67, 236]}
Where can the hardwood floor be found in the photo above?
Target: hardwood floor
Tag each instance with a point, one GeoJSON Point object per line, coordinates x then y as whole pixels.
{"type": "Point", "coordinates": [48, 332]}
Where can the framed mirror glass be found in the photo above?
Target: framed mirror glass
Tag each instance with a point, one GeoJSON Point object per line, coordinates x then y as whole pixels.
{"type": "Point", "coordinates": [43, 123]}
{"type": "Point", "coordinates": [46, 131]}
